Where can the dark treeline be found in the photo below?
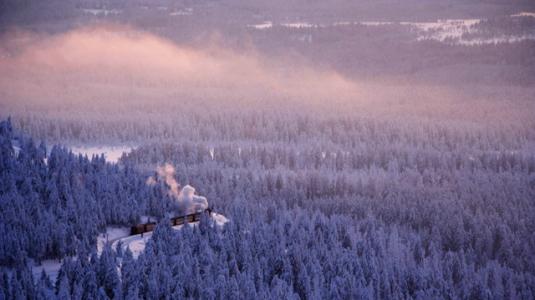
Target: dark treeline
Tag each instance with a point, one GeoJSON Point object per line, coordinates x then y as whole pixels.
{"type": "Point", "coordinates": [319, 209]}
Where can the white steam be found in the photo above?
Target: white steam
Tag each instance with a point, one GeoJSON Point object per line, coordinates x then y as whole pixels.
{"type": "Point", "coordinates": [185, 198]}
{"type": "Point", "coordinates": [167, 173]}
{"type": "Point", "coordinates": [109, 68]}
{"type": "Point", "coordinates": [192, 202]}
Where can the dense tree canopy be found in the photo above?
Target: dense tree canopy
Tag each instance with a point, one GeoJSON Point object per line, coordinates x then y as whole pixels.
{"type": "Point", "coordinates": [376, 211]}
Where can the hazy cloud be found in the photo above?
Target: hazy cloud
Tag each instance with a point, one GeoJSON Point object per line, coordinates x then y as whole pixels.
{"type": "Point", "coordinates": [116, 70]}
{"type": "Point", "coordinates": [119, 64]}
{"type": "Point", "coordinates": [185, 198]}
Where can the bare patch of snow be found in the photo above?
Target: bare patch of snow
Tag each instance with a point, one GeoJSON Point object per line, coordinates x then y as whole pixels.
{"type": "Point", "coordinates": [342, 23]}
{"type": "Point", "coordinates": [136, 243]}
{"type": "Point", "coordinates": [50, 266]}
{"type": "Point", "coordinates": [212, 152]}
{"type": "Point", "coordinates": [374, 23]}
{"type": "Point", "coordinates": [182, 12]}
{"type": "Point", "coordinates": [443, 30]}
{"type": "Point", "coordinates": [111, 153]}
{"type": "Point", "coordinates": [452, 31]}
{"type": "Point", "coordinates": [16, 148]}
{"type": "Point", "coordinates": [111, 234]}
{"type": "Point", "coordinates": [264, 25]}
{"type": "Point", "coordinates": [503, 39]}
{"type": "Point", "coordinates": [300, 25]}
{"type": "Point", "coordinates": [101, 12]}
{"type": "Point", "coordinates": [524, 14]}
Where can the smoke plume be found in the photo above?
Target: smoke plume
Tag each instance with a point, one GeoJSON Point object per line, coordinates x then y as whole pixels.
{"type": "Point", "coordinates": [167, 173]}
{"type": "Point", "coordinates": [116, 74]}
{"type": "Point", "coordinates": [112, 66]}
{"type": "Point", "coordinates": [186, 199]}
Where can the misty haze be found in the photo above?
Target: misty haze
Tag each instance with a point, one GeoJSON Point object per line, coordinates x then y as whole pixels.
{"type": "Point", "coordinates": [234, 149]}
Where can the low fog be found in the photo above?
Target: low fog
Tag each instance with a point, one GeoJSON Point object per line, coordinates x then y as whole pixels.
{"type": "Point", "coordinates": [120, 76]}
{"type": "Point", "coordinates": [116, 65]}
{"type": "Point", "coordinates": [184, 198]}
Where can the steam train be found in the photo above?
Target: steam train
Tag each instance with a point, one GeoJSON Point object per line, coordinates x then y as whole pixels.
{"type": "Point", "coordinates": [190, 218]}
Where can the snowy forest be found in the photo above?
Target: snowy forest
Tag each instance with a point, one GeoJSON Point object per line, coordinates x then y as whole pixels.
{"type": "Point", "coordinates": [323, 149]}
{"type": "Point", "coordinates": [375, 213]}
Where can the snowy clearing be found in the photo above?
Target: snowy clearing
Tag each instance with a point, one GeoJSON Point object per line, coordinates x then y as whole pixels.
{"type": "Point", "coordinates": [524, 14]}
{"type": "Point", "coordinates": [111, 234]}
{"type": "Point", "coordinates": [443, 30]}
{"type": "Point", "coordinates": [111, 153]}
{"type": "Point", "coordinates": [182, 12]}
{"type": "Point", "coordinates": [51, 268]}
{"type": "Point", "coordinates": [300, 25]}
{"type": "Point", "coordinates": [504, 39]}
{"type": "Point", "coordinates": [260, 26]}
{"type": "Point", "coordinates": [448, 31]}
{"type": "Point", "coordinates": [101, 12]}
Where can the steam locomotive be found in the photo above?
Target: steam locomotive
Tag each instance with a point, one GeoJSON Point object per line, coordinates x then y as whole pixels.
{"type": "Point", "coordinates": [190, 218]}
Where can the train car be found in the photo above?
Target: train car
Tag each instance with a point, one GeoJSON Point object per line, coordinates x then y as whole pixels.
{"type": "Point", "coordinates": [148, 227]}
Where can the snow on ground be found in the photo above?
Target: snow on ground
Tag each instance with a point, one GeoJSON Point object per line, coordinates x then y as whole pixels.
{"type": "Point", "coordinates": [111, 234]}
{"type": "Point", "coordinates": [454, 31]}
{"type": "Point", "coordinates": [263, 25]}
{"type": "Point", "coordinates": [451, 31]}
{"type": "Point", "coordinates": [182, 12]}
{"type": "Point", "coordinates": [300, 25]}
{"type": "Point", "coordinates": [457, 32]}
{"type": "Point", "coordinates": [112, 153]}
{"type": "Point", "coordinates": [16, 147]}
{"type": "Point", "coordinates": [374, 23]}
{"type": "Point", "coordinates": [296, 25]}
{"type": "Point", "coordinates": [50, 266]}
{"type": "Point", "coordinates": [136, 243]}
{"type": "Point", "coordinates": [443, 30]}
{"type": "Point", "coordinates": [524, 14]}
{"type": "Point", "coordinates": [101, 12]}
{"type": "Point", "coordinates": [503, 39]}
